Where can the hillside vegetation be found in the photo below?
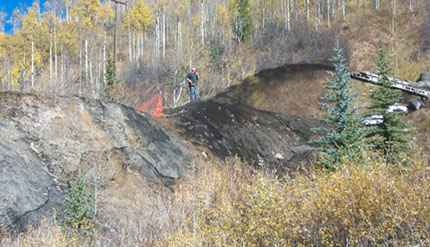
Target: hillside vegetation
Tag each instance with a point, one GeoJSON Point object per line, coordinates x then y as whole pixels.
{"type": "Point", "coordinates": [66, 49]}
{"type": "Point", "coordinates": [233, 204]}
{"type": "Point", "coordinates": [242, 45]}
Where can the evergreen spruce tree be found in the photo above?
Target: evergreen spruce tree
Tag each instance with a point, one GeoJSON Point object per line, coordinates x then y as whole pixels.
{"type": "Point", "coordinates": [242, 21]}
{"type": "Point", "coordinates": [344, 133]}
{"type": "Point", "coordinates": [391, 136]}
{"type": "Point", "coordinates": [79, 209]}
{"type": "Point", "coordinates": [111, 80]}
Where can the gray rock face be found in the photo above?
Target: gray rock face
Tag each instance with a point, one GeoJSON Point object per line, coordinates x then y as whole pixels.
{"type": "Point", "coordinates": [126, 156]}
{"type": "Point", "coordinates": [46, 142]}
{"type": "Point", "coordinates": [25, 184]}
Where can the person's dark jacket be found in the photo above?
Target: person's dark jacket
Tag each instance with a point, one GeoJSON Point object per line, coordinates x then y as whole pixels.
{"type": "Point", "coordinates": [194, 78]}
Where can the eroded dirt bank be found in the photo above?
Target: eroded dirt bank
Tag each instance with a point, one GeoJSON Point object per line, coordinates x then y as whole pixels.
{"type": "Point", "coordinates": [126, 156]}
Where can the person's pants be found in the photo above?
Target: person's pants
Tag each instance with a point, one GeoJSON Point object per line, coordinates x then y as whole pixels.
{"type": "Point", "coordinates": [194, 94]}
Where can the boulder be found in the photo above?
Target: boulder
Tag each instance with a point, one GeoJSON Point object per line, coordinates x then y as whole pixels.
{"type": "Point", "coordinates": [46, 142]}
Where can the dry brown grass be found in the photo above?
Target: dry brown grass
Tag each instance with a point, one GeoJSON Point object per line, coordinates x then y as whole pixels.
{"type": "Point", "coordinates": [232, 204]}
{"type": "Point", "coordinates": [374, 205]}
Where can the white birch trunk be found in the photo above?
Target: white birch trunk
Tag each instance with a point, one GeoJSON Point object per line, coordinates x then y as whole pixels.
{"type": "Point", "coordinates": [91, 74]}
{"type": "Point", "coordinates": [98, 72]}
{"type": "Point", "coordinates": [141, 46]}
{"type": "Point", "coordinates": [164, 34]}
{"type": "Point", "coordinates": [264, 18]}
{"type": "Point", "coordinates": [80, 67]}
{"type": "Point", "coordinates": [87, 69]}
{"type": "Point", "coordinates": [104, 56]}
{"type": "Point", "coordinates": [65, 57]}
{"type": "Point", "coordinates": [394, 17]}
{"type": "Point", "coordinates": [334, 11]}
{"type": "Point", "coordinates": [318, 19]}
{"type": "Point", "coordinates": [61, 68]}
{"type": "Point", "coordinates": [32, 62]}
{"type": "Point", "coordinates": [307, 10]}
{"type": "Point", "coordinates": [138, 51]}
{"type": "Point", "coordinates": [50, 63]}
{"type": "Point", "coordinates": [55, 56]}
{"type": "Point", "coordinates": [157, 39]}
{"type": "Point", "coordinates": [202, 22]}
{"type": "Point", "coordinates": [4, 73]}
{"type": "Point", "coordinates": [328, 13]}
{"type": "Point", "coordinates": [136, 48]}
{"type": "Point", "coordinates": [288, 17]}
{"type": "Point", "coordinates": [9, 81]}
{"type": "Point", "coordinates": [130, 45]}
{"type": "Point", "coordinates": [179, 38]}
{"type": "Point", "coordinates": [133, 47]}
{"type": "Point", "coordinates": [68, 11]}
{"type": "Point", "coordinates": [343, 10]}
{"type": "Point", "coordinates": [174, 87]}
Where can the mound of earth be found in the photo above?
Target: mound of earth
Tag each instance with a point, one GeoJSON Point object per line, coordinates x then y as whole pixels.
{"type": "Point", "coordinates": [228, 129]}
{"type": "Point", "coordinates": [244, 119]}
{"type": "Point", "coordinates": [46, 142]}
{"type": "Point", "coordinates": [127, 156]}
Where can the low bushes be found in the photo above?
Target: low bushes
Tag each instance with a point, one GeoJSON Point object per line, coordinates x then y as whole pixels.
{"type": "Point", "coordinates": [232, 204]}
{"type": "Point", "coordinates": [372, 205]}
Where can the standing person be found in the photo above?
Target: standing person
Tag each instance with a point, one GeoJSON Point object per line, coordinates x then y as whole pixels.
{"type": "Point", "coordinates": [192, 79]}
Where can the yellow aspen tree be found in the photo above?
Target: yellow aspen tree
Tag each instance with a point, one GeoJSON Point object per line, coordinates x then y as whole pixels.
{"type": "Point", "coordinates": [17, 67]}
{"type": "Point", "coordinates": [86, 13]}
{"type": "Point", "coordinates": [68, 39]}
{"type": "Point", "coordinates": [29, 27]}
{"type": "Point", "coordinates": [3, 64]}
{"type": "Point", "coordinates": [53, 6]}
{"type": "Point", "coordinates": [47, 26]}
{"type": "Point", "coordinates": [140, 21]}
{"type": "Point", "coordinates": [223, 20]}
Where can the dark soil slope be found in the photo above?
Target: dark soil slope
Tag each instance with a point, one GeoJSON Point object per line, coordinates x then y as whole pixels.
{"type": "Point", "coordinates": [289, 90]}
{"type": "Point", "coordinates": [231, 128]}
{"type": "Point", "coordinates": [239, 120]}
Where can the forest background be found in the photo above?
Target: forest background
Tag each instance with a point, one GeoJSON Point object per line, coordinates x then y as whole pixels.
{"type": "Point", "coordinates": [67, 49]}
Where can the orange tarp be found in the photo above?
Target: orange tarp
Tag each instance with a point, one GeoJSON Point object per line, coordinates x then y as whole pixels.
{"type": "Point", "coordinates": [153, 106]}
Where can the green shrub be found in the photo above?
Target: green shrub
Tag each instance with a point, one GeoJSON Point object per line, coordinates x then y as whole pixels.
{"type": "Point", "coordinates": [79, 210]}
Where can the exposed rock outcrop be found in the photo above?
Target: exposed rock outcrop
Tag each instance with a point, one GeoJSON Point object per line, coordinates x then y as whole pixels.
{"type": "Point", "coordinates": [45, 142]}
{"type": "Point", "coordinates": [127, 156]}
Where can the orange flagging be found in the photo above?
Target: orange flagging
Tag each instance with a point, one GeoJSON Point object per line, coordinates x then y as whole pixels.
{"type": "Point", "coordinates": [153, 106]}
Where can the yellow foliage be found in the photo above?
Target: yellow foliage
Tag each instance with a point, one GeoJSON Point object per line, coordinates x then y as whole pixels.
{"type": "Point", "coordinates": [87, 11]}
{"type": "Point", "coordinates": [48, 234]}
{"type": "Point", "coordinates": [232, 204]}
{"type": "Point", "coordinates": [222, 14]}
{"type": "Point", "coordinates": [105, 12]}
{"type": "Point", "coordinates": [196, 20]}
{"type": "Point", "coordinates": [373, 205]}
{"type": "Point", "coordinates": [140, 17]}
{"type": "Point", "coordinates": [29, 22]}
{"type": "Point", "coordinates": [411, 71]}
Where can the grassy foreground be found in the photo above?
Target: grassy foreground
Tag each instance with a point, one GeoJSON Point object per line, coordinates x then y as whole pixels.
{"type": "Point", "coordinates": [233, 204]}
